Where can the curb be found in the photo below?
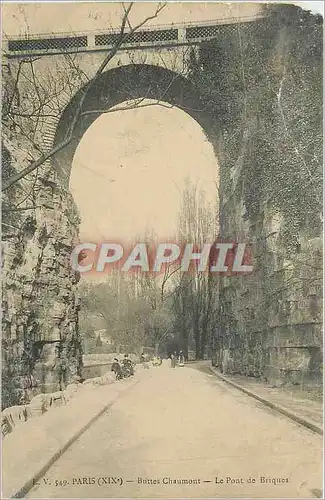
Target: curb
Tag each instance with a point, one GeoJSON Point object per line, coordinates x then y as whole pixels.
{"type": "Point", "coordinates": [21, 493]}
{"type": "Point", "coordinates": [280, 409]}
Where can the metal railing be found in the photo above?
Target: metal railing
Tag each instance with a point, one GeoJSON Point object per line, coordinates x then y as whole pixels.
{"type": "Point", "coordinates": [98, 40]}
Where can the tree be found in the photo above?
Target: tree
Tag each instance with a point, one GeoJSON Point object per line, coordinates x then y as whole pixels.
{"type": "Point", "coordinates": [195, 293]}
{"type": "Point", "coordinates": [27, 113]}
{"type": "Point", "coordinates": [134, 308]}
{"type": "Point", "coordinates": [158, 294]}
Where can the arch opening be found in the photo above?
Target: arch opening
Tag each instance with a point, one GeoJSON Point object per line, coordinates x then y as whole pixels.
{"type": "Point", "coordinates": [131, 169]}
{"type": "Point", "coordinates": [125, 84]}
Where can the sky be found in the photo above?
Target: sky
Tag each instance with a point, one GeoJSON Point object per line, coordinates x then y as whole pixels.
{"type": "Point", "coordinates": [315, 7]}
{"type": "Point", "coordinates": [130, 169]}
{"type": "Point", "coordinates": [87, 16]}
{"type": "Point", "coordinates": [78, 16]}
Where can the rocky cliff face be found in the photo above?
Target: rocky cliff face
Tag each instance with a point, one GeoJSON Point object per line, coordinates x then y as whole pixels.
{"type": "Point", "coordinates": [41, 350]}
{"type": "Point", "coordinates": [265, 94]}
{"type": "Point", "coordinates": [271, 323]}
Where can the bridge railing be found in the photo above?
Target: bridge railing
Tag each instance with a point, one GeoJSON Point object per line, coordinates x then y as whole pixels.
{"type": "Point", "coordinates": [170, 35]}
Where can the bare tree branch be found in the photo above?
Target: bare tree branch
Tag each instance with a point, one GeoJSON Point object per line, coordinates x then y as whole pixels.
{"type": "Point", "coordinates": [123, 38]}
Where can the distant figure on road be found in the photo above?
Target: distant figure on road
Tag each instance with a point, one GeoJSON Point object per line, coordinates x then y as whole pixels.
{"type": "Point", "coordinates": [142, 358]}
{"type": "Point", "coordinates": [146, 362]}
{"type": "Point", "coordinates": [173, 360]}
{"type": "Point", "coordinates": [116, 368]}
{"type": "Point", "coordinates": [181, 359]}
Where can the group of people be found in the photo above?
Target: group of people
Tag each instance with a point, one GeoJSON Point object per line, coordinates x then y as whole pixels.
{"type": "Point", "coordinates": [123, 369]}
{"type": "Point", "coordinates": [175, 359]}
{"type": "Point", "coordinates": [156, 361]}
{"type": "Point", "coordinates": [180, 359]}
{"type": "Point", "coordinates": [126, 367]}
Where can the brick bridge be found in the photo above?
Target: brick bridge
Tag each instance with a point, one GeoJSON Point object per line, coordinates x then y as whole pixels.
{"type": "Point", "coordinates": [153, 63]}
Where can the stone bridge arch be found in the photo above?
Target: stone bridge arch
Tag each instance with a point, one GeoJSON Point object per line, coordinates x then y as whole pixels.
{"type": "Point", "coordinates": [116, 86]}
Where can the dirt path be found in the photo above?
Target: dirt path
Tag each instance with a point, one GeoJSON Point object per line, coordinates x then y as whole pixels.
{"type": "Point", "coordinates": [182, 424]}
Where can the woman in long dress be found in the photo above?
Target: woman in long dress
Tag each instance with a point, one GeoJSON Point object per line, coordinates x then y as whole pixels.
{"type": "Point", "coordinates": [181, 359]}
{"type": "Point", "coordinates": [173, 360]}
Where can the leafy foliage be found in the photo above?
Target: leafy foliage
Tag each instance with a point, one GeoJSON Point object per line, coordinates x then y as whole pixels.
{"type": "Point", "coordinates": [130, 307]}
{"type": "Point", "coordinates": [263, 86]}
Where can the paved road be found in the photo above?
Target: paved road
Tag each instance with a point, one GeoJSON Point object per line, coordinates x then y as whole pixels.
{"type": "Point", "coordinates": [185, 425]}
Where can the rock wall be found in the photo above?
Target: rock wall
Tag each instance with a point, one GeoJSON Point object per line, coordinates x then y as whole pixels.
{"type": "Point", "coordinates": [41, 347]}
{"type": "Point", "coordinates": [271, 321]}
{"type": "Point", "coordinates": [265, 95]}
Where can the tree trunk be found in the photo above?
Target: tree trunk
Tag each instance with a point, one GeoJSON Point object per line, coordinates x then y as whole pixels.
{"type": "Point", "coordinates": [185, 349]}
{"type": "Point", "coordinates": [197, 345]}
